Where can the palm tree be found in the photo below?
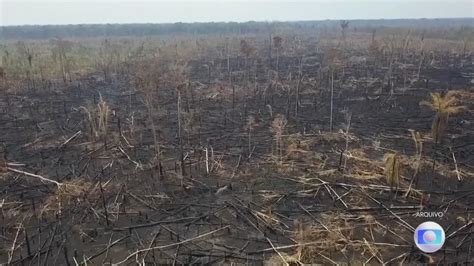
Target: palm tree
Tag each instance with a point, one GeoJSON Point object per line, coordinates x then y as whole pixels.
{"type": "Point", "coordinates": [444, 106]}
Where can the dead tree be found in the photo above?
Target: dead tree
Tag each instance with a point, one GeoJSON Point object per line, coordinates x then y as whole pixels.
{"type": "Point", "coordinates": [277, 43]}
{"type": "Point", "coordinates": [332, 61]}
{"type": "Point", "coordinates": [179, 90]}
{"type": "Point", "coordinates": [108, 57]}
{"type": "Point", "coordinates": [26, 52]}
{"type": "Point", "coordinates": [422, 54]}
{"type": "Point", "coordinates": [344, 26]}
{"type": "Point", "coordinates": [247, 50]}
{"type": "Point", "coordinates": [60, 51]}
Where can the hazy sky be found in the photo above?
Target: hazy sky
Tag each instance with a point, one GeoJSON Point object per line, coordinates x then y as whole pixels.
{"type": "Point", "coordinates": [20, 12]}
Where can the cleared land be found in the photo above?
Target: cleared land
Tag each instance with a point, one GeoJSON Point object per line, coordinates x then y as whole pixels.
{"type": "Point", "coordinates": [251, 148]}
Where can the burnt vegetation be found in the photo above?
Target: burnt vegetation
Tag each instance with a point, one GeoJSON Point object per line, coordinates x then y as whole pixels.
{"type": "Point", "coordinates": [276, 143]}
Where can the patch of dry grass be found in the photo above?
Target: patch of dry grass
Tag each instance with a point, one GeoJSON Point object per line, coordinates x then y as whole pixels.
{"type": "Point", "coordinates": [74, 193]}
{"type": "Point", "coordinates": [98, 118]}
{"type": "Point", "coordinates": [323, 241]}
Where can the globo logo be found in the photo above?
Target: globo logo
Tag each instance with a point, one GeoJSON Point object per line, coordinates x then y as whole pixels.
{"type": "Point", "coordinates": [429, 237]}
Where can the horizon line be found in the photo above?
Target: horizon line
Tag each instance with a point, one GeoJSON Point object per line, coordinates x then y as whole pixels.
{"type": "Point", "coordinates": [243, 22]}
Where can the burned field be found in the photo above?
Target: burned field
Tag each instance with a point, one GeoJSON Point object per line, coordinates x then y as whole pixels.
{"type": "Point", "coordinates": [239, 150]}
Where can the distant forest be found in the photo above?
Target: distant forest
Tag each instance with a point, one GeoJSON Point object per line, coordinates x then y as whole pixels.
{"type": "Point", "coordinates": [448, 28]}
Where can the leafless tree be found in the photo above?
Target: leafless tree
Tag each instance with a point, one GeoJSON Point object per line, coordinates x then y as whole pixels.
{"type": "Point", "coordinates": [277, 43]}
{"type": "Point", "coordinates": [60, 49]}
{"type": "Point", "coordinates": [247, 50]}
{"type": "Point", "coordinates": [344, 26]}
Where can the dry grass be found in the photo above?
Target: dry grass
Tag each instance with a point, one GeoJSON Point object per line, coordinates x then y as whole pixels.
{"type": "Point", "coordinates": [298, 146]}
{"type": "Point", "coordinates": [328, 245]}
{"type": "Point", "coordinates": [98, 118]}
{"type": "Point", "coordinates": [361, 166]}
{"type": "Point", "coordinates": [326, 241]}
{"type": "Point", "coordinates": [70, 193]}
{"type": "Point", "coordinates": [73, 193]}
{"type": "Point", "coordinates": [331, 137]}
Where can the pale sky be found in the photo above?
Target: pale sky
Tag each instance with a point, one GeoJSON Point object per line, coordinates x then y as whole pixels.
{"type": "Point", "coordinates": [44, 12]}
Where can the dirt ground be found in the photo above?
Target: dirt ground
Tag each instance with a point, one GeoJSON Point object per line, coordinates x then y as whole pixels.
{"type": "Point", "coordinates": [235, 200]}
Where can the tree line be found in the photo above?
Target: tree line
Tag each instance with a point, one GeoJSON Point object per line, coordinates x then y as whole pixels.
{"type": "Point", "coordinates": [462, 27]}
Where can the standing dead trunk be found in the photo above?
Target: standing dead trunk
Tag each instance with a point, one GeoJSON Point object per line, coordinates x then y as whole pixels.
{"type": "Point", "coordinates": [422, 55]}
{"type": "Point", "coordinates": [278, 62]}
{"type": "Point", "coordinates": [250, 141]}
{"type": "Point", "coordinates": [270, 51]}
{"type": "Point", "coordinates": [155, 139]}
{"type": "Point", "coordinates": [346, 148]}
{"type": "Point", "coordinates": [207, 161]}
{"type": "Point", "coordinates": [180, 139]}
{"type": "Point", "coordinates": [298, 87]}
{"type": "Point", "coordinates": [332, 101]}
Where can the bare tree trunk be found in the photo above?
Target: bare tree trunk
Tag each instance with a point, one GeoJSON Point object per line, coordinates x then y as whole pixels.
{"type": "Point", "coordinates": [63, 70]}
{"type": "Point", "coordinates": [297, 104]}
{"type": "Point", "coordinates": [207, 161]}
{"type": "Point", "coordinates": [155, 140]}
{"type": "Point", "coordinates": [278, 62]}
{"type": "Point", "coordinates": [233, 98]}
{"type": "Point", "coordinates": [270, 51]}
{"type": "Point", "coordinates": [228, 67]}
{"type": "Point", "coordinates": [181, 150]}
{"type": "Point", "coordinates": [420, 65]}
{"type": "Point", "coordinates": [298, 86]}
{"type": "Point", "coordinates": [250, 142]}
{"type": "Point", "coordinates": [422, 55]}
{"type": "Point", "coordinates": [332, 101]}
{"type": "Point", "coordinates": [348, 126]}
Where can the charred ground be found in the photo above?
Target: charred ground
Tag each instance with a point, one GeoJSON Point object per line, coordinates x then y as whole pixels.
{"type": "Point", "coordinates": [214, 150]}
